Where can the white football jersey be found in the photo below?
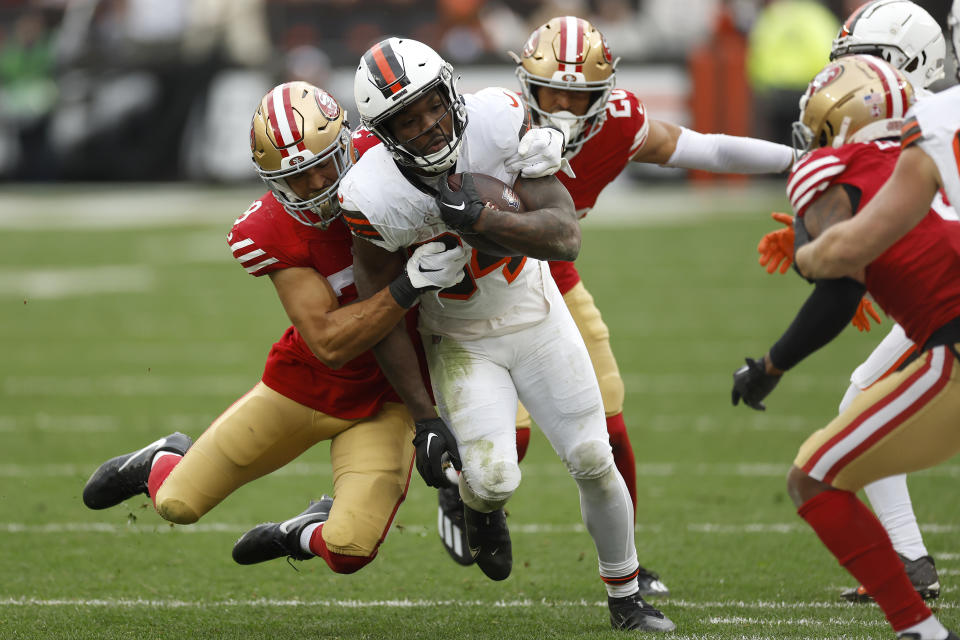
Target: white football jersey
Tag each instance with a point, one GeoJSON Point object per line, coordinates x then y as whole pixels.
{"type": "Point", "coordinates": [939, 119]}
{"type": "Point", "coordinates": [497, 295]}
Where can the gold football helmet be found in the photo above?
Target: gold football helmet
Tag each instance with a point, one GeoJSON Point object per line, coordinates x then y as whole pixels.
{"type": "Point", "coordinates": [570, 54]}
{"type": "Point", "coordinates": [853, 99]}
{"type": "Point", "coordinates": [298, 126]}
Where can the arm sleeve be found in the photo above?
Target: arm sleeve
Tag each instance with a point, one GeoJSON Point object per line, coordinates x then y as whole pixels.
{"type": "Point", "coordinates": [729, 154]}
{"type": "Point", "coordinates": [822, 317]}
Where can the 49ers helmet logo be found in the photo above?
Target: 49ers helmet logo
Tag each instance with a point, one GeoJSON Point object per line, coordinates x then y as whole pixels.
{"type": "Point", "coordinates": [825, 77]}
{"type": "Point", "coordinates": [327, 105]}
{"type": "Point", "coordinates": [606, 50]}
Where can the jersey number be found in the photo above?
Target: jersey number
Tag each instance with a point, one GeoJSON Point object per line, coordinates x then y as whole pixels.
{"type": "Point", "coordinates": [618, 105]}
{"type": "Point", "coordinates": [480, 265]}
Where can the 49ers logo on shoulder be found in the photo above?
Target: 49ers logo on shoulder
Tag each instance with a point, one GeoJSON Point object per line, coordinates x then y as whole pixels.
{"type": "Point", "coordinates": [327, 104]}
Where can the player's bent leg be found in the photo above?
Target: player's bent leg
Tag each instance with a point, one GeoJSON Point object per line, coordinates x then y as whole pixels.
{"type": "Point", "coordinates": [125, 476]}
{"type": "Point", "coordinates": [916, 430]}
{"type": "Point", "coordinates": [596, 337]}
{"type": "Point", "coordinates": [260, 433]}
{"type": "Point", "coordinates": [477, 398]}
{"type": "Point", "coordinates": [372, 462]}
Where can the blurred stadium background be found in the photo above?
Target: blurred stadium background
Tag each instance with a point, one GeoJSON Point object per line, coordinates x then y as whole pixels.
{"type": "Point", "coordinates": [124, 160]}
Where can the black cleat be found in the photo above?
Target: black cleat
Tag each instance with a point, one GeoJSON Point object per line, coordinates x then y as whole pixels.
{"type": "Point", "coordinates": [633, 613]}
{"type": "Point", "coordinates": [126, 476]}
{"type": "Point", "coordinates": [922, 573]}
{"type": "Point", "coordinates": [489, 542]}
{"type": "Point", "coordinates": [650, 584]}
{"type": "Point", "coordinates": [451, 527]}
{"type": "Point", "coordinates": [278, 539]}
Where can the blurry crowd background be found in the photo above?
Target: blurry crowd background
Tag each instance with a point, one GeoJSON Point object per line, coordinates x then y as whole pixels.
{"type": "Point", "coordinates": [152, 90]}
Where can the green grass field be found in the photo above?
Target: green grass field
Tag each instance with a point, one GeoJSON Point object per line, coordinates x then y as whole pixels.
{"type": "Point", "coordinates": [113, 337]}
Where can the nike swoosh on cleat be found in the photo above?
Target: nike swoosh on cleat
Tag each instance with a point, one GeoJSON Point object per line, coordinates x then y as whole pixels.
{"type": "Point", "coordinates": [137, 454]}
{"type": "Point", "coordinates": [285, 526]}
{"type": "Point", "coordinates": [460, 208]}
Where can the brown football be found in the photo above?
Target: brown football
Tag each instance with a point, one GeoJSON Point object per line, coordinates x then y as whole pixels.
{"type": "Point", "coordinates": [496, 195]}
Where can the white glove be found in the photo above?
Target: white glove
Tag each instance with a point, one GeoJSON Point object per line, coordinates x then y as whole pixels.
{"type": "Point", "coordinates": [433, 266]}
{"type": "Point", "coordinates": [539, 153]}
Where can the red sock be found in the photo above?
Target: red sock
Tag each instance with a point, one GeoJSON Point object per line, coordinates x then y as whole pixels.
{"type": "Point", "coordinates": [623, 454]}
{"type": "Point", "coordinates": [338, 562]}
{"type": "Point", "coordinates": [159, 473]}
{"type": "Point", "coordinates": [523, 441]}
{"type": "Point", "coordinates": [854, 535]}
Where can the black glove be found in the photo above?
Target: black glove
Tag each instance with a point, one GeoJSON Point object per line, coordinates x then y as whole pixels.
{"type": "Point", "coordinates": [752, 383]}
{"type": "Point", "coordinates": [433, 439]}
{"type": "Point", "coordinates": [460, 209]}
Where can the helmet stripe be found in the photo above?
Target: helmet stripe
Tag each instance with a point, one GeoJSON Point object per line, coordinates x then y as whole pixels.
{"type": "Point", "coordinates": [385, 68]}
{"type": "Point", "coordinates": [896, 97]}
{"type": "Point", "coordinates": [278, 132]}
{"type": "Point", "coordinates": [851, 22]}
{"type": "Point", "coordinates": [295, 136]}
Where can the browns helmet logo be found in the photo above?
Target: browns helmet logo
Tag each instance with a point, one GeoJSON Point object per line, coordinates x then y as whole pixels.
{"type": "Point", "coordinates": [327, 104]}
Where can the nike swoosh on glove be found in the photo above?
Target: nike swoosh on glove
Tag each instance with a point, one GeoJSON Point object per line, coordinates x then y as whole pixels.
{"type": "Point", "coordinates": [432, 441]}
{"type": "Point", "coordinates": [460, 209]}
{"type": "Point", "coordinates": [432, 266]}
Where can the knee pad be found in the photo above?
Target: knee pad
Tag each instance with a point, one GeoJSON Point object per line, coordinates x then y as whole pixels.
{"type": "Point", "coordinates": [176, 511]}
{"type": "Point", "coordinates": [590, 459]}
{"type": "Point", "coordinates": [489, 488]}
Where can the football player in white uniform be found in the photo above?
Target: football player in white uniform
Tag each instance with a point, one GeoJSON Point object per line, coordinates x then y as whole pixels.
{"type": "Point", "coordinates": [503, 333]}
{"type": "Point", "coordinates": [906, 36]}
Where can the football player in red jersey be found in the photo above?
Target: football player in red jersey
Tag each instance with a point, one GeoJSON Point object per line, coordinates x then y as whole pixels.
{"type": "Point", "coordinates": [567, 75]}
{"type": "Point", "coordinates": [853, 114]}
{"type": "Point", "coordinates": [320, 381]}
{"type": "Point", "coordinates": [905, 35]}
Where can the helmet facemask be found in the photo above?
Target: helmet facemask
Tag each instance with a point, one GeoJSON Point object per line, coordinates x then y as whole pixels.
{"type": "Point", "coordinates": [321, 208]}
{"type": "Point", "coordinates": [394, 74]}
{"type": "Point", "coordinates": [953, 26]}
{"type": "Point", "coordinates": [405, 151]}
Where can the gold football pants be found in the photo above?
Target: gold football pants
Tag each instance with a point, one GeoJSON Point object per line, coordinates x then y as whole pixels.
{"type": "Point", "coordinates": [264, 430]}
{"type": "Point", "coordinates": [905, 422]}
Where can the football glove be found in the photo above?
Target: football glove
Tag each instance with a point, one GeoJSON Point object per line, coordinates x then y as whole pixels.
{"type": "Point", "coordinates": [539, 154]}
{"type": "Point", "coordinates": [776, 248]}
{"type": "Point", "coordinates": [460, 209]}
{"type": "Point", "coordinates": [860, 319]}
{"type": "Point", "coordinates": [433, 440]}
{"type": "Point", "coordinates": [432, 266]}
{"type": "Point", "coordinates": [752, 383]}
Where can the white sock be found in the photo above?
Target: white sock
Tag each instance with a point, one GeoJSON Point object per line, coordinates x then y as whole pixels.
{"type": "Point", "coordinates": [608, 513]}
{"type": "Point", "coordinates": [929, 629]}
{"type": "Point", "coordinates": [160, 454]}
{"type": "Point", "coordinates": [305, 536]}
{"type": "Point", "coordinates": [891, 502]}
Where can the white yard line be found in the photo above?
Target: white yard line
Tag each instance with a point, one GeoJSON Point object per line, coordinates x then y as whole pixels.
{"type": "Point", "coordinates": [56, 283]}
{"type": "Point", "coordinates": [426, 603]}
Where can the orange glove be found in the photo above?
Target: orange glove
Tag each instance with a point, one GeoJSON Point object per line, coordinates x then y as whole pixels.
{"type": "Point", "coordinates": [776, 248]}
{"type": "Point", "coordinates": [860, 320]}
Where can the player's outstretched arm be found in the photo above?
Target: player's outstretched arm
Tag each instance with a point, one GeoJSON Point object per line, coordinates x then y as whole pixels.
{"type": "Point", "coordinates": [337, 334]}
{"type": "Point", "coordinates": [676, 146]}
{"type": "Point", "coordinates": [548, 230]}
{"type": "Point", "coordinates": [899, 205]}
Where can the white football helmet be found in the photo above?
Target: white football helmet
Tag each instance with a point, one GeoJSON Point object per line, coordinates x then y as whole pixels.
{"type": "Point", "coordinates": [395, 73]}
{"type": "Point", "coordinates": [953, 26]}
{"type": "Point", "coordinates": [570, 54]}
{"type": "Point", "coordinates": [298, 126]}
{"type": "Point", "coordinates": [898, 31]}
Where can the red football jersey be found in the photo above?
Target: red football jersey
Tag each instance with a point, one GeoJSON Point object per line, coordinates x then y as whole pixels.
{"type": "Point", "coordinates": [265, 239]}
{"type": "Point", "coordinates": [601, 159]}
{"type": "Point", "coordinates": [914, 281]}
